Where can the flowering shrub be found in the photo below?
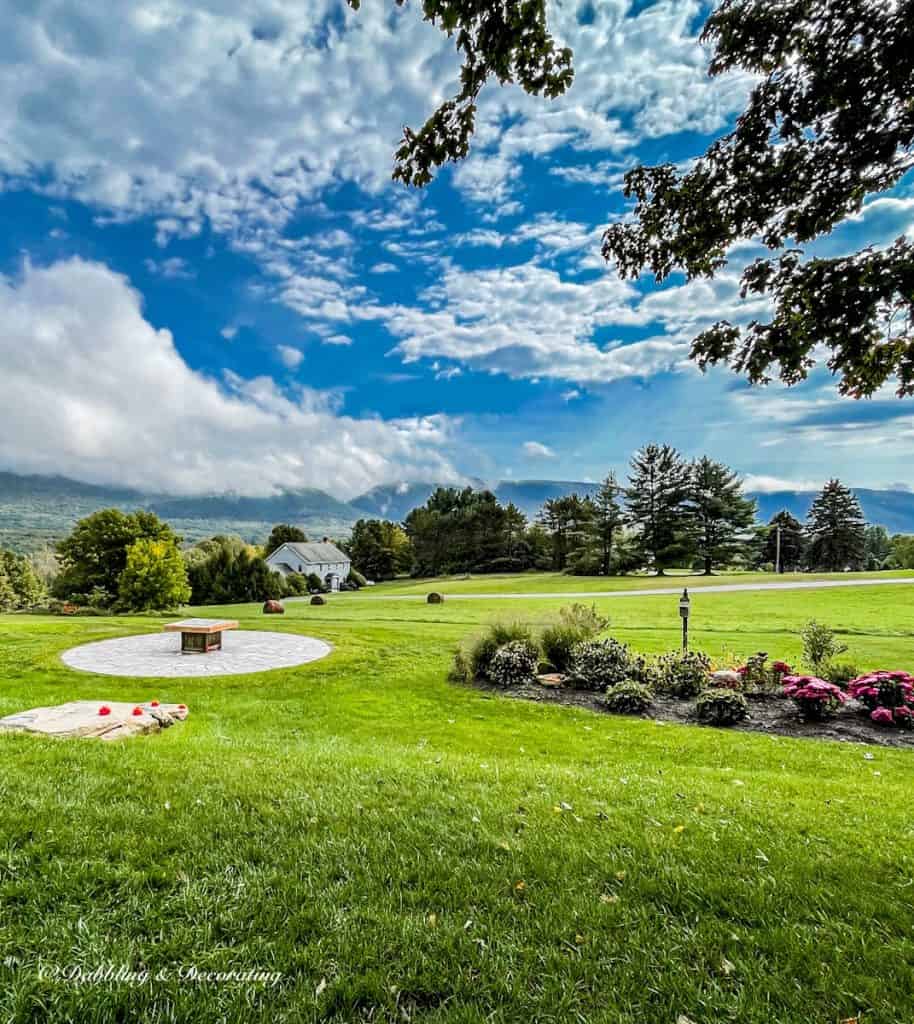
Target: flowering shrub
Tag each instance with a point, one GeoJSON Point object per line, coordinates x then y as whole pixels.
{"type": "Point", "coordinates": [514, 663]}
{"type": "Point", "coordinates": [760, 677]}
{"type": "Point", "coordinates": [683, 673]}
{"type": "Point", "coordinates": [629, 697]}
{"type": "Point", "coordinates": [721, 706]}
{"type": "Point", "coordinates": [477, 656]}
{"type": "Point", "coordinates": [888, 696]}
{"type": "Point", "coordinates": [596, 664]}
{"type": "Point", "coordinates": [815, 698]}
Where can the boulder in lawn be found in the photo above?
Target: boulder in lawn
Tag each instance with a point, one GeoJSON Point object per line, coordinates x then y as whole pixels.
{"type": "Point", "coordinates": [96, 719]}
{"type": "Point", "coordinates": [273, 608]}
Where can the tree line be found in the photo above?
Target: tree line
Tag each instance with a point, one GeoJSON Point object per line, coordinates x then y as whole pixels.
{"type": "Point", "coordinates": [669, 512]}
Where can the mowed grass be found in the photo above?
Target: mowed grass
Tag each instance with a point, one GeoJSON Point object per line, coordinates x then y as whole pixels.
{"type": "Point", "coordinates": [399, 848]}
{"type": "Point", "coordinates": [560, 583]}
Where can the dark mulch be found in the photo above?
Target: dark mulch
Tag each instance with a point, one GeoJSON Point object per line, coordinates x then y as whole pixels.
{"type": "Point", "coordinates": [770, 714]}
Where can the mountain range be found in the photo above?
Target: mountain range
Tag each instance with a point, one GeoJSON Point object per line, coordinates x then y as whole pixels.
{"type": "Point", "coordinates": [37, 510]}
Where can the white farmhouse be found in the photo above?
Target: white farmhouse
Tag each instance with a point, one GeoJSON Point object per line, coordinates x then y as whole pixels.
{"type": "Point", "coordinates": [324, 560]}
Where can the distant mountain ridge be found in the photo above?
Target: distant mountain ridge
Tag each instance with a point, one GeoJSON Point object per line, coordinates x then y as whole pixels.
{"type": "Point", "coordinates": [37, 510]}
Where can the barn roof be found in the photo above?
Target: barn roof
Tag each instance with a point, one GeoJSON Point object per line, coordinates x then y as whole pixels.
{"type": "Point", "coordinates": [317, 553]}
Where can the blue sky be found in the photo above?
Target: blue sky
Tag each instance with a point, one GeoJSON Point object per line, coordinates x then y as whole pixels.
{"type": "Point", "coordinates": [209, 281]}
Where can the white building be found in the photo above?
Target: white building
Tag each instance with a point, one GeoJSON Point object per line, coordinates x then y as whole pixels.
{"type": "Point", "coordinates": [324, 560]}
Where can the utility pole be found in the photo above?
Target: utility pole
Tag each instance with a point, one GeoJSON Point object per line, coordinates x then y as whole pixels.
{"type": "Point", "coordinates": [777, 558]}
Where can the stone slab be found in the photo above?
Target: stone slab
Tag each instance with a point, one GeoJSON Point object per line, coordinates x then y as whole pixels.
{"type": "Point", "coordinates": [156, 655]}
{"type": "Point", "coordinates": [95, 719]}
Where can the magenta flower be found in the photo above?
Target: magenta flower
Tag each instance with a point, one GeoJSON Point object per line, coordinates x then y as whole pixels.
{"type": "Point", "coordinates": [882, 715]}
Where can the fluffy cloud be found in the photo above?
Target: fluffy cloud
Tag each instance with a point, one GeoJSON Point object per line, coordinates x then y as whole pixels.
{"type": "Point", "coordinates": [290, 357]}
{"type": "Point", "coordinates": [91, 389]}
{"type": "Point", "coordinates": [536, 450]}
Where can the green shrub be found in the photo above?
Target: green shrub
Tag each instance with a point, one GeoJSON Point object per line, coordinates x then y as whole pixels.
{"type": "Point", "coordinates": [315, 583]}
{"type": "Point", "coordinates": [596, 664]}
{"type": "Point", "coordinates": [721, 707]}
{"type": "Point", "coordinates": [629, 698]}
{"type": "Point", "coordinates": [819, 646]}
{"type": "Point", "coordinates": [683, 673]}
{"type": "Point", "coordinates": [317, 599]}
{"type": "Point", "coordinates": [357, 578]}
{"type": "Point", "coordinates": [576, 623]}
{"type": "Point", "coordinates": [514, 663]}
{"type": "Point", "coordinates": [482, 650]}
{"type": "Point", "coordinates": [461, 671]}
{"type": "Point", "coordinates": [840, 672]}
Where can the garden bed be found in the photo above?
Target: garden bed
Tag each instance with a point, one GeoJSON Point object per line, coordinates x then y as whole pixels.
{"type": "Point", "coordinates": [769, 714]}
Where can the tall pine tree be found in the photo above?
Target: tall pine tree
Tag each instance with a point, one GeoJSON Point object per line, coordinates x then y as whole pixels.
{"type": "Point", "coordinates": [657, 498]}
{"type": "Point", "coordinates": [721, 518]}
{"type": "Point", "coordinates": [836, 530]}
{"type": "Point", "coordinates": [792, 543]}
{"type": "Point", "coordinates": [607, 520]}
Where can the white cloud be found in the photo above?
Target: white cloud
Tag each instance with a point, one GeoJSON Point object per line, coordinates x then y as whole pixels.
{"type": "Point", "coordinates": [290, 357]}
{"type": "Point", "coordinates": [229, 332]}
{"type": "Point", "coordinates": [384, 268]}
{"type": "Point", "coordinates": [527, 322]}
{"type": "Point", "coordinates": [91, 389]}
{"type": "Point", "coordinates": [536, 450]}
{"type": "Point", "coordinates": [174, 268]}
{"type": "Point", "coordinates": [771, 484]}
{"type": "Point", "coordinates": [570, 395]}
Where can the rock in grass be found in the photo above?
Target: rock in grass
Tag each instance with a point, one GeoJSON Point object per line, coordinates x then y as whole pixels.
{"type": "Point", "coordinates": [273, 608]}
{"type": "Point", "coordinates": [318, 599]}
{"type": "Point", "coordinates": [435, 598]}
{"type": "Point", "coordinates": [96, 719]}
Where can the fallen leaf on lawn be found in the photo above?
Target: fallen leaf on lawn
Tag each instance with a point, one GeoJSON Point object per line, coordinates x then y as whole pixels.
{"type": "Point", "coordinates": [608, 897]}
{"type": "Point", "coordinates": [579, 940]}
{"type": "Point", "coordinates": [738, 782]}
{"type": "Point", "coordinates": [683, 1019]}
{"type": "Point", "coordinates": [520, 886]}
{"type": "Point", "coordinates": [727, 966]}
{"type": "Point", "coordinates": [433, 920]}
{"type": "Point", "coordinates": [869, 757]}
{"type": "Point", "coordinates": [321, 986]}
{"type": "Point", "coordinates": [620, 875]}
{"type": "Point", "coordinates": [679, 829]}
{"type": "Point", "coordinates": [503, 845]}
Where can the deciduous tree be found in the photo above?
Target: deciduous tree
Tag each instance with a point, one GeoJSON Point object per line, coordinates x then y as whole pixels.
{"type": "Point", "coordinates": [281, 534]}
{"type": "Point", "coordinates": [154, 576]}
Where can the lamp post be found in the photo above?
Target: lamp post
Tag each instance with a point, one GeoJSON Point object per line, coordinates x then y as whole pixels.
{"type": "Point", "coordinates": [684, 604]}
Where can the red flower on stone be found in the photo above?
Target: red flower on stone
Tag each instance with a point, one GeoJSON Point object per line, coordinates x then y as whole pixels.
{"type": "Point", "coordinates": [182, 707]}
{"type": "Point", "coordinates": [153, 703]}
{"type": "Point", "coordinates": [137, 711]}
{"type": "Point", "coordinates": [104, 710]}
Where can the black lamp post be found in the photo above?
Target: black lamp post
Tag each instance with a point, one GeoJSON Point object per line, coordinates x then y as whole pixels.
{"type": "Point", "coordinates": [684, 604]}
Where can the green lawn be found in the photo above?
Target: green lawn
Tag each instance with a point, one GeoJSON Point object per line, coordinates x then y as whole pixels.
{"type": "Point", "coordinates": [401, 849]}
{"type": "Point", "coordinates": [560, 583]}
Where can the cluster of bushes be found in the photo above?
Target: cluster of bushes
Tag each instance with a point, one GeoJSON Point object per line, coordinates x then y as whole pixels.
{"type": "Point", "coordinates": [509, 654]}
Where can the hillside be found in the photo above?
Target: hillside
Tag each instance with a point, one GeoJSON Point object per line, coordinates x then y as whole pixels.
{"type": "Point", "coordinates": [38, 510]}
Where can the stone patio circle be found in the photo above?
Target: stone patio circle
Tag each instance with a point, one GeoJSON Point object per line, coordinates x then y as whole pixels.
{"type": "Point", "coordinates": [158, 655]}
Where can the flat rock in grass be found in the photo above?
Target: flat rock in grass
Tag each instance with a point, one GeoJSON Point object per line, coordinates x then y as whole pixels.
{"type": "Point", "coordinates": [551, 679]}
{"type": "Point", "coordinates": [86, 718]}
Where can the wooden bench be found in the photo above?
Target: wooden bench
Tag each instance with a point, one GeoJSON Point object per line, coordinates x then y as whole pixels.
{"type": "Point", "coordinates": [200, 636]}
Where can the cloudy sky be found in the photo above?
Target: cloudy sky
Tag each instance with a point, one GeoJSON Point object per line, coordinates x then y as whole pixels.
{"type": "Point", "coordinates": [209, 281]}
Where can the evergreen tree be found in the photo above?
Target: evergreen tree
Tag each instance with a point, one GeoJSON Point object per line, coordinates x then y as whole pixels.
{"type": "Point", "coordinates": [793, 543]}
{"type": "Point", "coordinates": [607, 520]}
{"type": "Point", "coordinates": [657, 498]}
{"type": "Point", "coordinates": [568, 521]}
{"type": "Point", "coordinates": [721, 518]}
{"type": "Point", "coordinates": [836, 529]}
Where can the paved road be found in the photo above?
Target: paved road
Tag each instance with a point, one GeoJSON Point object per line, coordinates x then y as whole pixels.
{"type": "Point", "coordinates": [719, 588]}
